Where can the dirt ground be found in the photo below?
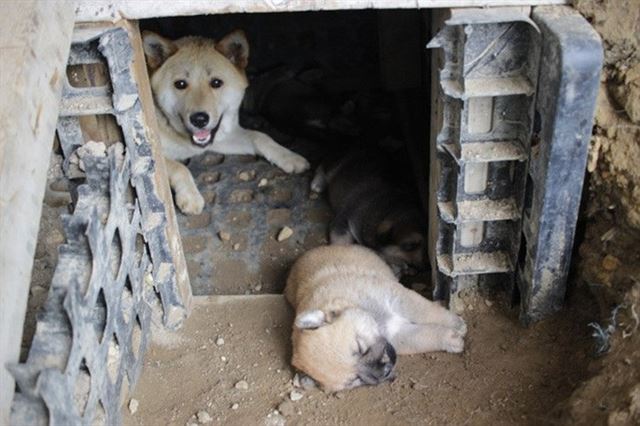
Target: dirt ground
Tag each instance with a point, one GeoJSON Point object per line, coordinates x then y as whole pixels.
{"type": "Point", "coordinates": [507, 375]}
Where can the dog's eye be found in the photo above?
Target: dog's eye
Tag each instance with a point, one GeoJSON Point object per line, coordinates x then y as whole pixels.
{"type": "Point", "coordinates": [216, 82]}
{"type": "Point", "coordinates": [362, 349]}
{"type": "Point", "coordinates": [180, 84]}
{"type": "Point", "coordinates": [409, 246]}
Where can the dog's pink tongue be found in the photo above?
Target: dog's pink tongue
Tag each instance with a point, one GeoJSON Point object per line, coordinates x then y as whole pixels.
{"type": "Point", "coordinates": [201, 134]}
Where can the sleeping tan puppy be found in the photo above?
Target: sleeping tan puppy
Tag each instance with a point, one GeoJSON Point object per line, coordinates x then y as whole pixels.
{"type": "Point", "coordinates": [353, 317]}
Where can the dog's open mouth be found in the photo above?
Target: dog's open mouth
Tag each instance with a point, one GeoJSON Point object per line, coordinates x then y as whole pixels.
{"type": "Point", "coordinates": [202, 138]}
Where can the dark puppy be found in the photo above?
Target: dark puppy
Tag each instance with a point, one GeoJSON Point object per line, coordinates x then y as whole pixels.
{"type": "Point", "coordinates": [373, 208]}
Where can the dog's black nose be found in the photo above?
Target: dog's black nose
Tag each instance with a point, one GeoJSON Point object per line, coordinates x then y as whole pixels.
{"type": "Point", "coordinates": [199, 119]}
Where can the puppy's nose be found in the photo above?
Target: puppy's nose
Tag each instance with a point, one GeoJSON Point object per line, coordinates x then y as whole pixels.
{"type": "Point", "coordinates": [199, 119]}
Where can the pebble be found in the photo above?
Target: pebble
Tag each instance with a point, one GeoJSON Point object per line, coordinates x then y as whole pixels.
{"type": "Point", "coordinates": [610, 263]}
{"type": "Point", "coordinates": [204, 417]}
{"type": "Point", "coordinates": [258, 287]}
{"type": "Point", "coordinates": [296, 380]}
{"type": "Point", "coordinates": [242, 385]}
{"type": "Point", "coordinates": [284, 233]}
{"type": "Point", "coordinates": [488, 302]}
{"type": "Point", "coordinates": [133, 405]}
{"type": "Point", "coordinates": [236, 246]}
{"type": "Point", "coordinates": [235, 406]}
{"type": "Point", "coordinates": [223, 358]}
{"type": "Point", "coordinates": [307, 382]}
{"type": "Point", "coordinates": [224, 236]}
{"type": "Point", "coordinates": [263, 182]}
{"type": "Point", "coordinates": [246, 175]}
{"type": "Point", "coordinates": [286, 408]}
{"type": "Point", "coordinates": [296, 395]}
{"type": "Point", "coordinates": [219, 341]}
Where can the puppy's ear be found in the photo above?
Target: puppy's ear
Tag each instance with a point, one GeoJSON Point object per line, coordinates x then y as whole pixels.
{"type": "Point", "coordinates": [316, 318]}
{"type": "Point", "coordinates": [310, 319]}
{"type": "Point", "coordinates": [157, 49]}
{"type": "Point", "coordinates": [235, 47]}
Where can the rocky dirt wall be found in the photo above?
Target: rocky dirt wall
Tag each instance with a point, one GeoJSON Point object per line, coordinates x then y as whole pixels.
{"type": "Point", "coordinates": [609, 256]}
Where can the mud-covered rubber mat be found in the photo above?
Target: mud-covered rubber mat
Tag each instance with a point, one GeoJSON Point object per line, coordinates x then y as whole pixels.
{"type": "Point", "coordinates": [232, 247]}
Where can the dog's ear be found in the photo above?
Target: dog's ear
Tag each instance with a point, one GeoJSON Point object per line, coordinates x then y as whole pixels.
{"type": "Point", "coordinates": [235, 47]}
{"type": "Point", "coordinates": [156, 49]}
{"type": "Point", "coordinates": [316, 318]}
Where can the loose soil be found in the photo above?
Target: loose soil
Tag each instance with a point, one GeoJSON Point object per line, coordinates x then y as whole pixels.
{"type": "Point", "coordinates": [507, 374]}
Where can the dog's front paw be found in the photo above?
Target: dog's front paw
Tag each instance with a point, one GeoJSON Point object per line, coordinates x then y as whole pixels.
{"type": "Point", "coordinates": [293, 163]}
{"type": "Point", "coordinates": [453, 341]}
{"type": "Point", "coordinates": [318, 183]}
{"type": "Point", "coordinates": [460, 326]}
{"type": "Point", "coordinates": [190, 202]}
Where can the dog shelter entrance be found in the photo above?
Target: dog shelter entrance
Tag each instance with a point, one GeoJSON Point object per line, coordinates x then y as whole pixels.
{"type": "Point", "coordinates": [479, 128]}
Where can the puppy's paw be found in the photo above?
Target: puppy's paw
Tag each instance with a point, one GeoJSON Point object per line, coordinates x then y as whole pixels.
{"type": "Point", "coordinates": [293, 163]}
{"type": "Point", "coordinates": [190, 202]}
{"type": "Point", "coordinates": [453, 341]}
{"type": "Point", "coordinates": [318, 183]}
{"type": "Point", "coordinates": [460, 326]}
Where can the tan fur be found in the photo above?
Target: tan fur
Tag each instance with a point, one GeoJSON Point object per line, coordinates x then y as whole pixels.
{"type": "Point", "coordinates": [197, 61]}
{"type": "Point", "coordinates": [347, 299]}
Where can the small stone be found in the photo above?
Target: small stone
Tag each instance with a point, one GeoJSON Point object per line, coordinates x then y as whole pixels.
{"type": "Point", "coordinates": [286, 408]}
{"type": "Point", "coordinates": [313, 195]}
{"type": "Point", "coordinates": [224, 236]}
{"type": "Point", "coordinates": [296, 395]}
{"type": "Point", "coordinates": [263, 182]}
{"type": "Point", "coordinates": [212, 159]}
{"type": "Point", "coordinates": [284, 234]}
{"type": "Point", "coordinates": [296, 380]}
{"type": "Point", "coordinates": [209, 177]}
{"type": "Point", "coordinates": [242, 385]}
{"type": "Point", "coordinates": [204, 417]}
{"type": "Point", "coordinates": [236, 246]}
{"type": "Point", "coordinates": [258, 287]}
{"type": "Point", "coordinates": [247, 175]}
{"type": "Point", "coordinates": [223, 358]}
{"type": "Point", "coordinates": [339, 395]}
{"type": "Point", "coordinates": [610, 263]}
{"type": "Point", "coordinates": [235, 406]}
{"type": "Point", "coordinates": [488, 302]}
{"type": "Point", "coordinates": [307, 382]}
{"type": "Point", "coordinates": [220, 341]}
{"type": "Point", "coordinates": [133, 405]}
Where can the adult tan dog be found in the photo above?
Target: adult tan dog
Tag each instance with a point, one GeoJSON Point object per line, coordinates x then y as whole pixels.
{"type": "Point", "coordinates": [352, 317]}
{"type": "Point", "coordinates": [198, 85]}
